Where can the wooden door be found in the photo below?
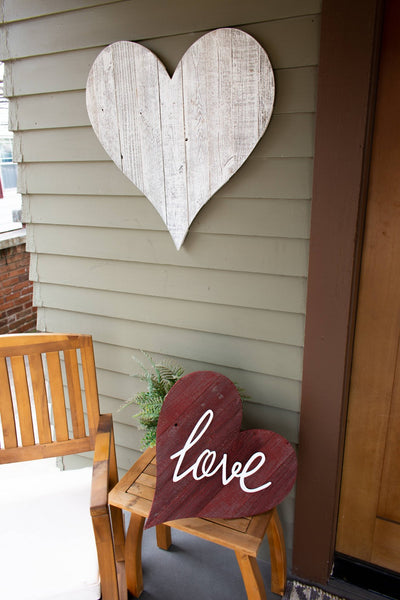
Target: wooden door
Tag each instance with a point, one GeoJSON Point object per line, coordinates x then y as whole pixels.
{"type": "Point", "coordinates": [369, 514]}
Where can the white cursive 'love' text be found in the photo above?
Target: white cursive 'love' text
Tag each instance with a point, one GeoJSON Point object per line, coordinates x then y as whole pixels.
{"type": "Point", "coordinates": [205, 466]}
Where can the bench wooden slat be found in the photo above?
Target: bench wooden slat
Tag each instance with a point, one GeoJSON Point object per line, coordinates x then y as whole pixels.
{"type": "Point", "coordinates": [121, 499]}
{"type": "Point", "coordinates": [142, 491]}
{"type": "Point", "coordinates": [37, 451]}
{"type": "Point", "coordinates": [140, 465]}
{"type": "Point", "coordinates": [7, 410]}
{"type": "Point", "coordinates": [219, 534]}
{"type": "Point", "coordinates": [241, 524]}
{"type": "Point", "coordinates": [147, 480]}
{"type": "Point", "coordinates": [40, 398]}
{"type": "Point", "coordinates": [90, 384]}
{"type": "Point", "coordinates": [74, 393]}
{"type": "Point", "coordinates": [151, 469]}
{"type": "Point", "coordinates": [10, 345]}
{"type": "Point", "coordinates": [23, 400]}
{"type": "Point", "coordinates": [57, 396]}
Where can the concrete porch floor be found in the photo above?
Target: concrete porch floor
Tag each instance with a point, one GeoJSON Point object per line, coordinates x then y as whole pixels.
{"type": "Point", "coordinates": [193, 569]}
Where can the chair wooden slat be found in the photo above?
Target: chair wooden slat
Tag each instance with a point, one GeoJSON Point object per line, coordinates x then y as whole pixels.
{"type": "Point", "coordinates": [6, 408]}
{"type": "Point", "coordinates": [91, 393]}
{"type": "Point", "coordinates": [74, 393]}
{"type": "Point", "coordinates": [57, 396]}
{"type": "Point", "coordinates": [40, 398]}
{"type": "Point", "coordinates": [23, 401]}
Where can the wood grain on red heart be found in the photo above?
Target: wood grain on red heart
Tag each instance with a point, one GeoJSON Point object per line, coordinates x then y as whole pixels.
{"type": "Point", "coordinates": [180, 138]}
{"type": "Point", "coordinates": [207, 466]}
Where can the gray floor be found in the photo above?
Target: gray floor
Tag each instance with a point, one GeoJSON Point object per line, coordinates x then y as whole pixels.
{"type": "Point", "coordinates": [193, 569]}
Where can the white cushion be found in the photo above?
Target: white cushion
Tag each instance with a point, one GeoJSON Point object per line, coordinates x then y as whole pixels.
{"type": "Point", "coordinates": [47, 548]}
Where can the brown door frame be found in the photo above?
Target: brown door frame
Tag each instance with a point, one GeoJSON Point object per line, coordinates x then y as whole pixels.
{"type": "Point", "coordinates": [349, 53]}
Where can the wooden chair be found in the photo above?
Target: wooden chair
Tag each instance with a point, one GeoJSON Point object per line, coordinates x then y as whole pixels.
{"type": "Point", "coordinates": [135, 493]}
{"type": "Point", "coordinates": [42, 413]}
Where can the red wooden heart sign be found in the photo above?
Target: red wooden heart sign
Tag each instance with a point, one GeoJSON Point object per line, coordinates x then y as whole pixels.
{"type": "Point", "coordinates": [207, 466]}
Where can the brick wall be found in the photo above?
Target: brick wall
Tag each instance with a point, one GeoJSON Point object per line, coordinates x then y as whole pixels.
{"type": "Point", "coordinates": [16, 311]}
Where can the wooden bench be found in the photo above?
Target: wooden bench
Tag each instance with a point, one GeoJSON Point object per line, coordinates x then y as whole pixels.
{"type": "Point", "coordinates": [47, 383]}
{"type": "Point", "coordinates": [135, 493]}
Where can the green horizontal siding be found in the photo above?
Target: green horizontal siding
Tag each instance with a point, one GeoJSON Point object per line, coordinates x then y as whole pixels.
{"type": "Point", "coordinates": [239, 253]}
{"type": "Point", "coordinates": [233, 298]}
{"type": "Point", "coordinates": [249, 323]}
{"type": "Point", "coordinates": [131, 20]}
{"type": "Point", "coordinates": [234, 288]}
{"type": "Point", "coordinates": [289, 135]}
{"type": "Point", "coordinates": [275, 217]}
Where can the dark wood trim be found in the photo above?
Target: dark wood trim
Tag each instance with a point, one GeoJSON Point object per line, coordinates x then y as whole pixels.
{"type": "Point", "coordinates": [349, 52]}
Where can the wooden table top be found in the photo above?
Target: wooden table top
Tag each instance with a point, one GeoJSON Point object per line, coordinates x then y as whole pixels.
{"type": "Point", "coordinates": [135, 493]}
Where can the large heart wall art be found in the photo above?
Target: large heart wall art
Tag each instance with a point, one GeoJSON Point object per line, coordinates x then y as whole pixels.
{"type": "Point", "coordinates": [207, 466]}
{"type": "Point", "coordinates": [180, 138]}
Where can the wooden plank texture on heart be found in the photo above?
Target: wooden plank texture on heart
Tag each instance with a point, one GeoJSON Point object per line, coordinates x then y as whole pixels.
{"type": "Point", "coordinates": [206, 466]}
{"type": "Point", "coordinates": [180, 138]}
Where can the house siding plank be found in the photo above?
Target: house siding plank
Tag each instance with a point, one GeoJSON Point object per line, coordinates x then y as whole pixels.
{"type": "Point", "coordinates": [117, 365]}
{"type": "Point", "coordinates": [285, 218]}
{"type": "Point", "coordinates": [259, 178]}
{"type": "Point", "coordinates": [49, 73]}
{"type": "Point", "coordinates": [271, 292]}
{"type": "Point", "coordinates": [65, 109]}
{"type": "Point", "coordinates": [112, 402]}
{"type": "Point", "coordinates": [102, 25]}
{"type": "Point", "coordinates": [240, 253]}
{"type": "Point", "coordinates": [288, 136]}
{"type": "Point", "coordinates": [19, 10]}
{"type": "Point", "coordinates": [273, 326]}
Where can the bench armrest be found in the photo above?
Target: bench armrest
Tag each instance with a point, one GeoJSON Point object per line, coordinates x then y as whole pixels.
{"type": "Point", "coordinates": [108, 523]}
{"type": "Point", "coordinates": [105, 474]}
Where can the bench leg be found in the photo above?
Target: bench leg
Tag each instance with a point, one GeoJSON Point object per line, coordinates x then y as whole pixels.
{"type": "Point", "coordinates": [106, 556]}
{"type": "Point", "coordinates": [163, 534]}
{"type": "Point", "coordinates": [252, 579]}
{"type": "Point", "coordinates": [277, 552]}
{"type": "Point", "coordinates": [117, 520]}
{"type": "Point", "coordinates": [133, 553]}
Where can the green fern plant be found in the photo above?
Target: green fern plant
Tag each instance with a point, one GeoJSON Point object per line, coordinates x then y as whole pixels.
{"type": "Point", "coordinates": [159, 378]}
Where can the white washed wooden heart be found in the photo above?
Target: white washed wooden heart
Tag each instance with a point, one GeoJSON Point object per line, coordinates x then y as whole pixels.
{"type": "Point", "coordinates": [180, 138]}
